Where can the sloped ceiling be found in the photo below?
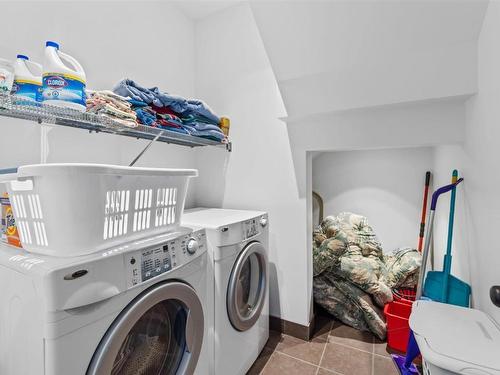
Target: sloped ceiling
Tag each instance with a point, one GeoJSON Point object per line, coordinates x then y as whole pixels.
{"type": "Point", "coordinates": [315, 43]}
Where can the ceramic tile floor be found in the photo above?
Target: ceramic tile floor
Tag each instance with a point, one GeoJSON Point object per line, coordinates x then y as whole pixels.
{"type": "Point", "coordinates": [334, 349]}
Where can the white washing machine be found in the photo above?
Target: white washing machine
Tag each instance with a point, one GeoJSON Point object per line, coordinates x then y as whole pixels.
{"type": "Point", "coordinates": [237, 252]}
{"type": "Point", "coordinates": [135, 309]}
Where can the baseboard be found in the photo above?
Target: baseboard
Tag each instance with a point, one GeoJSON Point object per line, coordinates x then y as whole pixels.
{"type": "Point", "coordinates": [291, 328]}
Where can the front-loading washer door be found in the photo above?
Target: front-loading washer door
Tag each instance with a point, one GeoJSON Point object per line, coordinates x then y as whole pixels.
{"type": "Point", "coordinates": [247, 286]}
{"type": "Point", "coordinates": [159, 333]}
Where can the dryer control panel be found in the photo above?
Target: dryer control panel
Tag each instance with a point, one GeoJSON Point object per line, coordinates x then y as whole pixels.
{"type": "Point", "coordinates": [250, 228]}
{"type": "Point", "coordinates": [254, 226]}
{"type": "Point", "coordinates": [152, 261]}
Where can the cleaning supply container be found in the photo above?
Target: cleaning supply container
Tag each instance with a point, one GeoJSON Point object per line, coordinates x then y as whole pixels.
{"type": "Point", "coordinates": [10, 233]}
{"type": "Point", "coordinates": [6, 76]}
{"type": "Point", "coordinates": [455, 340]}
{"type": "Point", "coordinates": [27, 79]}
{"type": "Point", "coordinates": [76, 209]}
{"type": "Point", "coordinates": [397, 314]}
{"type": "Point", "coordinates": [63, 79]}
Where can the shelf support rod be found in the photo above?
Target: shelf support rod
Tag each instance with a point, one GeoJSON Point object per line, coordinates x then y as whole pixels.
{"type": "Point", "coordinates": [44, 143]}
{"type": "Point", "coordinates": [145, 148]}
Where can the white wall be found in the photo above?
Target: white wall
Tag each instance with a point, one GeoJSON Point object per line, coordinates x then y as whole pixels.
{"type": "Point", "coordinates": [416, 124]}
{"type": "Point", "coordinates": [383, 185]}
{"type": "Point", "coordinates": [336, 55]}
{"type": "Point", "coordinates": [156, 49]}
{"type": "Point", "coordinates": [478, 254]}
{"type": "Point", "coordinates": [234, 75]}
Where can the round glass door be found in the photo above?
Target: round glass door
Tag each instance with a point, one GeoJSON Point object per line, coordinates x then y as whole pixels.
{"type": "Point", "coordinates": [247, 287]}
{"type": "Point", "coordinates": [159, 333]}
{"type": "Point", "coordinates": [155, 344]}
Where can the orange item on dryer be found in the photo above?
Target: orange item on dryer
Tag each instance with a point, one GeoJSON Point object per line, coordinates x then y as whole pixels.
{"type": "Point", "coordinates": [9, 223]}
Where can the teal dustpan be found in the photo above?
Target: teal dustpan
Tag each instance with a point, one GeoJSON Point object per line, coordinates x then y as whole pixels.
{"type": "Point", "coordinates": [458, 292]}
{"type": "Point", "coordinates": [441, 286]}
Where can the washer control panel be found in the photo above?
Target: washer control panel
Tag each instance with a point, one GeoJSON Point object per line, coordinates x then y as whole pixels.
{"type": "Point", "coordinates": [152, 261]}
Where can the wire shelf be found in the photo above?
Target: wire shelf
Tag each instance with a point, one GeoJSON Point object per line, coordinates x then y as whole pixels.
{"type": "Point", "coordinates": [15, 107]}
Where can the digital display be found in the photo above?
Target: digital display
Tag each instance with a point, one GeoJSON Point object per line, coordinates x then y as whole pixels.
{"type": "Point", "coordinates": [250, 228]}
{"type": "Point", "coordinates": [154, 262]}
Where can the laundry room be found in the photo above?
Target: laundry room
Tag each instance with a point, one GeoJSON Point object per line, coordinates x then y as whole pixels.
{"type": "Point", "coordinates": [249, 187]}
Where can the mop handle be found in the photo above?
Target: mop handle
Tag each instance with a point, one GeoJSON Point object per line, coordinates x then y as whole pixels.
{"type": "Point", "coordinates": [442, 190]}
{"type": "Point", "coordinates": [424, 211]}
{"type": "Point", "coordinates": [428, 239]}
{"type": "Point", "coordinates": [425, 255]}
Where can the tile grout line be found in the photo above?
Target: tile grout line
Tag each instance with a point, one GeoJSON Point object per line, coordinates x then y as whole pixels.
{"type": "Point", "coordinates": [324, 348]}
{"type": "Point", "coordinates": [322, 354]}
{"type": "Point", "coordinates": [263, 368]}
{"type": "Point", "coordinates": [298, 359]}
{"type": "Point", "coordinates": [318, 366]}
{"type": "Point", "coordinates": [302, 360]}
{"type": "Point", "coordinates": [330, 370]}
{"type": "Point", "coordinates": [349, 346]}
{"type": "Point", "coordinates": [373, 356]}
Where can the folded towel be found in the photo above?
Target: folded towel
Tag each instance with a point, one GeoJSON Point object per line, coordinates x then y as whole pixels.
{"type": "Point", "coordinates": [154, 96]}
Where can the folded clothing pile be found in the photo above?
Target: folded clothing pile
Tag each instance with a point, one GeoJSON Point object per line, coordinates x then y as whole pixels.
{"type": "Point", "coordinates": [159, 109]}
{"type": "Point", "coordinates": [115, 107]}
{"type": "Point", "coordinates": [353, 278]}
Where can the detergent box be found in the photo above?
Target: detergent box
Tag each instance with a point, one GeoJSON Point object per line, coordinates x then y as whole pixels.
{"type": "Point", "coordinates": [10, 233]}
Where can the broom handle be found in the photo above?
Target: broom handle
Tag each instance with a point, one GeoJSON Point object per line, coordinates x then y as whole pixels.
{"type": "Point", "coordinates": [451, 220]}
{"type": "Point", "coordinates": [424, 211]}
{"type": "Point", "coordinates": [425, 253]}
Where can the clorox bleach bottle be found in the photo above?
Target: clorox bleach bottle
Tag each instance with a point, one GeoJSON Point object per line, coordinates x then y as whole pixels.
{"type": "Point", "coordinates": [27, 79]}
{"type": "Point", "coordinates": [63, 79]}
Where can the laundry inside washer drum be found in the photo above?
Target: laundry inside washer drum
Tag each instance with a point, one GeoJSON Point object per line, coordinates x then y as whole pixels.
{"type": "Point", "coordinates": [156, 344]}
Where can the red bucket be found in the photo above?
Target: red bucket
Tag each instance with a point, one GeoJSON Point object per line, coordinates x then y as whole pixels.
{"type": "Point", "coordinates": [397, 314]}
{"type": "Point", "coordinates": [404, 295]}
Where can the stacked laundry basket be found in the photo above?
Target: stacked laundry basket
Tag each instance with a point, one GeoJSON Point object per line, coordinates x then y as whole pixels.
{"type": "Point", "coordinates": [77, 209]}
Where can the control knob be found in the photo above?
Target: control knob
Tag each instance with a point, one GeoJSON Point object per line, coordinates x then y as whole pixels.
{"type": "Point", "coordinates": [263, 222]}
{"type": "Point", "coordinates": [192, 246]}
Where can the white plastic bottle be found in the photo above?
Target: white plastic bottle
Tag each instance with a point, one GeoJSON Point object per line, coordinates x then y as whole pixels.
{"type": "Point", "coordinates": [6, 76]}
{"type": "Point", "coordinates": [63, 79]}
{"type": "Point", "coordinates": [27, 79]}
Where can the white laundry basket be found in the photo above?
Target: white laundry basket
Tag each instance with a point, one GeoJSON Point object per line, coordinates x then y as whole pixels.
{"type": "Point", "coordinates": [76, 209]}
{"type": "Point", "coordinates": [455, 340]}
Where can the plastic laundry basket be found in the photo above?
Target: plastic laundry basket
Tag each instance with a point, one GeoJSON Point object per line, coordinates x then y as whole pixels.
{"type": "Point", "coordinates": [455, 340]}
{"type": "Point", "coordinates": [76, 209]}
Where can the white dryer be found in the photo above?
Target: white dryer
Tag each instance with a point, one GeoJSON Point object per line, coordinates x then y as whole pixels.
{"type": "Point", "coordinates": [237, 252]}
{"type": "Point", "coordinates": [134, 309]}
